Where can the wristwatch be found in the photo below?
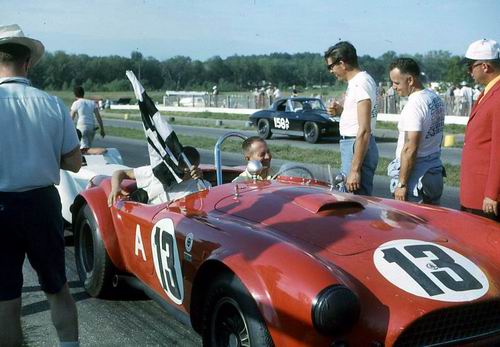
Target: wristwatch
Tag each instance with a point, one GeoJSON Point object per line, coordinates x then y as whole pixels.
{"type": "Point", "coordinates": [401, 185]}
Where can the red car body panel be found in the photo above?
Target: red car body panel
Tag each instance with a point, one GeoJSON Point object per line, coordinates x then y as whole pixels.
{"type": "Point", "coordinates": [287, 240]}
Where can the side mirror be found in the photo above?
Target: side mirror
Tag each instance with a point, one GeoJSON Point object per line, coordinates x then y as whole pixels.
{"type": "Point", "coordinates": [339, 182]}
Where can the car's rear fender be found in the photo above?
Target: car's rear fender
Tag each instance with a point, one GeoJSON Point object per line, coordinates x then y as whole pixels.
{"type": "Point", "coordinates": [96, 199]}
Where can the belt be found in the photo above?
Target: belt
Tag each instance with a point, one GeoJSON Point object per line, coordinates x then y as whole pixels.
{"type": "Point", "coordinates": [342, 137]}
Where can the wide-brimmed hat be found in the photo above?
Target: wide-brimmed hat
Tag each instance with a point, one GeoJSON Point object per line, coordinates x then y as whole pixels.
{"type": "Point", "coordinates": [13, 34]}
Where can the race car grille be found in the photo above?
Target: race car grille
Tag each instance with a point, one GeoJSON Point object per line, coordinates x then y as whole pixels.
{"type": "Point", "coordinates": [453, 326]}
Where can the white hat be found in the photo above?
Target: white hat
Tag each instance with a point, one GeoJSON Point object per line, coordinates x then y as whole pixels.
{"type": "Point", "coordinates": [13, 34]}
{"type": "Point", "coordinates": [214, 87]}
{"type": "Point", "coordinates": [483, 50]}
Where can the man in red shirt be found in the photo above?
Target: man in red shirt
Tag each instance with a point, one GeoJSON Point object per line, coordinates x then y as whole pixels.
{"type": "Point", "coordinates": [480, 169]}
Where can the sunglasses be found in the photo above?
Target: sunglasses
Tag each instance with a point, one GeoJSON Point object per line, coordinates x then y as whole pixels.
{"type": "Point", "coordinates": [330, 66]}
{"type": "Point", "coordinates": [471, 66]}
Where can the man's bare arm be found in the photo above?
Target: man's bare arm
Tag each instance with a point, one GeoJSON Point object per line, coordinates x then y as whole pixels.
{"type": "Point", "coordinates": [116, 180]}
{"type": "Point", "coordinates": [72, 161]}
{"type": "Point", "coordinates": [99, 120]}
{"type": "Point", "coordinates": [408, 157]}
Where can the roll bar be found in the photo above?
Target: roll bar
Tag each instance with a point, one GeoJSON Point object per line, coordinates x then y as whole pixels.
{"type": "Point", "coordinates": [217, 156]}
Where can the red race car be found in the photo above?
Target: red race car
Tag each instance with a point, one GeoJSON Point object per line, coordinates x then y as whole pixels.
{"type": "Point", "coordinates": [293, 262]}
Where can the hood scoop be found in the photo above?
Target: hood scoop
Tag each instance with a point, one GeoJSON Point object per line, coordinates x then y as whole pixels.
{"type": "Point", "coordinates": [320, 202]}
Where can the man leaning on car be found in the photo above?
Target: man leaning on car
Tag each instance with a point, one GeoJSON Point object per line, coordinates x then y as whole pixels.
{"type": "Point", "coordinates": [417, 172]}
{"type": "Point", "coordinates": [37, 139]}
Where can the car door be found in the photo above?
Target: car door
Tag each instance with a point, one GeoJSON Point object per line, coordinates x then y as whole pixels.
{"type": "Point", "coordinates": [279, 121]}
{"type": "Point", "coordinates": [134, 223]}
{"type": "Point", "coordinates": [294, 116]}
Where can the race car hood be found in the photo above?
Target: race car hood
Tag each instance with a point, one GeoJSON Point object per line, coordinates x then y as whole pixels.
{"type": "Point", "coordinates": [340, 223]}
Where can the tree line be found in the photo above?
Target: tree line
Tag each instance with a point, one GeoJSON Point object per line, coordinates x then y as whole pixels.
{"type": "Point", "coordinates": [62, 71]}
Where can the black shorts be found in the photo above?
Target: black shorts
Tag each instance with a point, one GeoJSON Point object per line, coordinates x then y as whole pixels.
{"type": "Point", "coordinates": [31, 224]}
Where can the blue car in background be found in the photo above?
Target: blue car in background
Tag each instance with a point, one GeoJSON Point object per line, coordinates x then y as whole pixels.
{"type": "Point", "coordinates": [296, 116]}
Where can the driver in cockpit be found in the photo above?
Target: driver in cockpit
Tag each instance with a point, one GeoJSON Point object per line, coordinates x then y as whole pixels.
{"type": "Point", "coordinates": [255, 148]}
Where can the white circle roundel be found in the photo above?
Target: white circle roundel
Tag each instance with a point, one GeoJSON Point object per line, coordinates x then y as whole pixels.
{"type": "Point", "coordinates": [430, 270]}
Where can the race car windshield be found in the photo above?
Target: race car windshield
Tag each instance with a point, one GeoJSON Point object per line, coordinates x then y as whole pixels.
{"type": "Point", "coordinates": [316, 105]}
{"type": "Point", "coordinates": [322, 173]}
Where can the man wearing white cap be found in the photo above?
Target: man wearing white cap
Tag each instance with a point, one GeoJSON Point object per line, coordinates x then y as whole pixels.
{"type": "Point", "coordinates": [37, 139]}
{"type": "Point", "coordinates": [480, 168]}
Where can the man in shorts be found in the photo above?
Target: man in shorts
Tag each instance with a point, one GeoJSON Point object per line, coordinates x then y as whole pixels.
{"type": "Point", "coordinates": [86, 109]}
{"type": "Point", "coordinates": [37, 139]}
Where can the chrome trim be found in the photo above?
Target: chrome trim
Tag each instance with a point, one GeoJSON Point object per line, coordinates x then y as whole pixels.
{"type": "Point", "coordinates": [217, 156]}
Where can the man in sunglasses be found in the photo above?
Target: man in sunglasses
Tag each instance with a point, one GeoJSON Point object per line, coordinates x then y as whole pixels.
{"type": "Point", "coordinates": [358, 150]}
{"type": "Point", "coordinates": [480, 168]}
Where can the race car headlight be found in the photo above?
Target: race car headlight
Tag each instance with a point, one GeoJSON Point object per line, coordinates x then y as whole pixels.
{"type": "Point", "coordinates": [335, 310]}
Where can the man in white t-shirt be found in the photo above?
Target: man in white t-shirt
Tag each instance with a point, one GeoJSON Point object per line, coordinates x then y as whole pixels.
{"type": "Point", "coordinates": [157, 193]}
{"type": "Point", "coordinates": [86, 110]}
{"type": "Point", "coordinates": [417, 172]}
{"type": "Point", "coordinates": [358, 150]}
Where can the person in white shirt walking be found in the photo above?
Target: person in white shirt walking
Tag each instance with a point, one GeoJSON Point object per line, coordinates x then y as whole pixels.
{"type": "Point", "coordinates": [86, 109]}
{"type": "Point", "coordinates": [417, 172]}
{"type": "Point", "coordinates": [358, 150]}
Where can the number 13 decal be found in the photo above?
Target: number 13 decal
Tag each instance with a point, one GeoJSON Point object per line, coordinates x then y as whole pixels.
{"type": "Point", "coordinates": [166, 259]}
{"type": "Point", "coordinates": [430, 270]}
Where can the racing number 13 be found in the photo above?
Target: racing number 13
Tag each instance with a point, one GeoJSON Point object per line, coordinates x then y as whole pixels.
{"type": "Point", "coordinates": [468, 282]}
{"type": "Point", "coordinates": [164, 244]}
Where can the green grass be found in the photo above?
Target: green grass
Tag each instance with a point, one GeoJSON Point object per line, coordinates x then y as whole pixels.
{"type": "Point", "coordinates": [283, 152]}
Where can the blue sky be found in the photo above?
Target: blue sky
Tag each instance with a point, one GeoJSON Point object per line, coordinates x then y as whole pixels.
{"type": "Point", "coordinates": [201, 29]}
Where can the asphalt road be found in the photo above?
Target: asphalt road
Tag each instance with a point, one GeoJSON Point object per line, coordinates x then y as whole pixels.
{"type": "Point", "coordinates": [128, 321]}
{"type": "Point", "coordinates": [385, 139]}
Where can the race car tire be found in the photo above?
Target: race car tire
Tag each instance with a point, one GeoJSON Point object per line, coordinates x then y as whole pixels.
{"type": "Point", "coordinates": [264, 129]}
{"type": "Point", "coordinates": [93, 264]}
{"type": "Point", "coordinates": [311, 132]}
{"type": "Point", "coordinates": [231, 317]}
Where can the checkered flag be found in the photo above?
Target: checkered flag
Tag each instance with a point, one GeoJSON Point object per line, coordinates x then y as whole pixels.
{"type": "Point", "coordinates": [165, 150]}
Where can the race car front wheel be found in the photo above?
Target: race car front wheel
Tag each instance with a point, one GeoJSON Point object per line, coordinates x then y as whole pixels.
{"type": "Point", "coordinates": [311, 132]}
{"type": "Point", "coordinates": [264, 129]}
{"type": "Point", "coordinates": [231, 317]}
{"type": "Point", "coordinates": [94, 267]}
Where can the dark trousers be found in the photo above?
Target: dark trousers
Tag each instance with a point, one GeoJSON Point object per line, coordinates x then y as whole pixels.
{"type": "Point", "coordinates": [481, 213]}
